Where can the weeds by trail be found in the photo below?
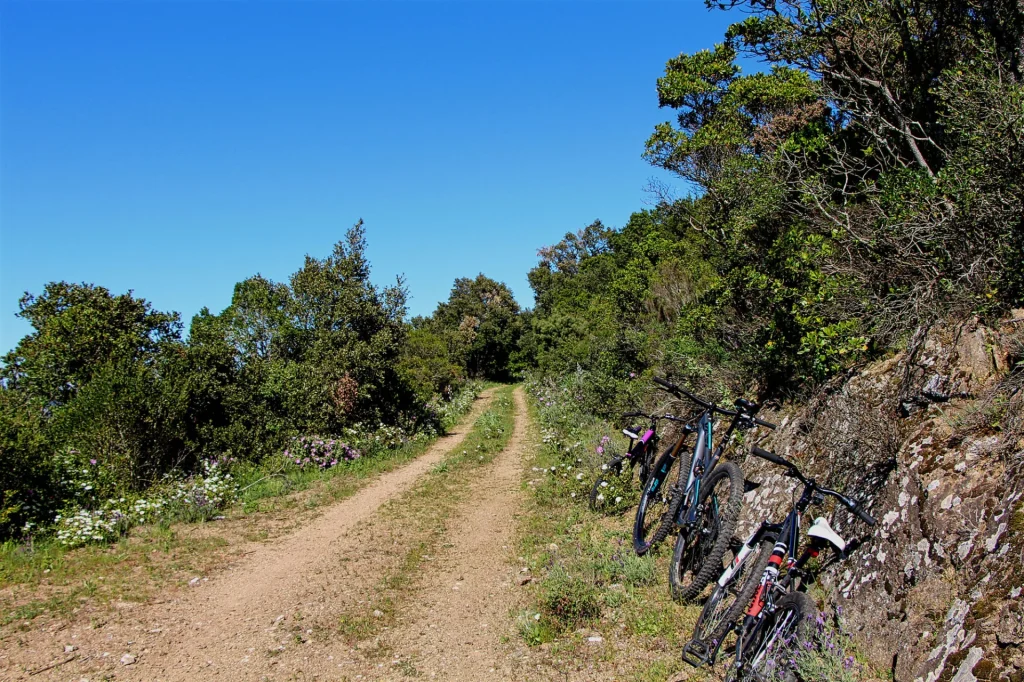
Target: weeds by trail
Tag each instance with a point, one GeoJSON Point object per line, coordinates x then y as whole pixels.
{"type": "Point", "coordinates": [587, 582]}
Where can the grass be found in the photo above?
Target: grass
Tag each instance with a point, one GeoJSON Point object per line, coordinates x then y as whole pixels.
{"type": "Point", "coordinates": [588, 582]}
{"type": "Point", "coordinates": [43, 578]}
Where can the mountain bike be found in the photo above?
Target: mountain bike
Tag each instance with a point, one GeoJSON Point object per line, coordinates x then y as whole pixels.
{"type": "Point", "coordinates": [617, 473]}
{"type": "Point", "coordinates": [700, 497]}
{"type": "Point", "coordinates": [771, 615]}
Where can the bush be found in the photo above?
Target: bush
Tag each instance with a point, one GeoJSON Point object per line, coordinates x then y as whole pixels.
{"type": "Point", "coordinates": [569, 600]}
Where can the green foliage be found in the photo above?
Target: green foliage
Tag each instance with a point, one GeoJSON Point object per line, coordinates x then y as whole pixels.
{"type": "Point", "coordinates": [481, 323]}
{"type": "Point", "coordinates": [103, 400]}
{"type": "Point", "coordinates": [569, 600]}
{"type": "Point", "coordinates": [26, 471]}
{"type": "Point", "coordinates": [78, 329]}
{"type": "Point", "coordinates": [867, 182]}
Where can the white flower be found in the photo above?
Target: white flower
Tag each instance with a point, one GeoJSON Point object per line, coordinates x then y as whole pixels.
{"type": "Point", "coordinates": [579, 477]}
{"type": "Point", "coordinates": [604, 484]}
{"type": "Point", "coordinates": [600, 497]}
{"type": "Point", "coordinates": [618, 499]}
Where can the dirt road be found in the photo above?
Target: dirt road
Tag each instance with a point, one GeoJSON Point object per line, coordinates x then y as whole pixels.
{"type": "Point", "coordinates": [274, 615]}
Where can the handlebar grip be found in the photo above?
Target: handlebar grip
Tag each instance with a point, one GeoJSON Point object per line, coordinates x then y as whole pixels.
{"type": "Point", "coordinates": [665, 384]}
{"type": "Point", "coordinates": [770, 456]}
{"type": "Point", "coordinates": [762, 422]}
{"type": "Point", "coordinates": [863, 515]}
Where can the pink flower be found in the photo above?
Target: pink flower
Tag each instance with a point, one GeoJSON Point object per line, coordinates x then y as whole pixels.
{"type": "Point", "coordinates": [92, 461]}
{"type": "Point", "coordinates": [600, 450]}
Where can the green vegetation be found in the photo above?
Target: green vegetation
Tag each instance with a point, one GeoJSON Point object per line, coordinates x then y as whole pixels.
{"type": "Point", "coordinates": [587, 581]}
{"type": "Point", "coordinates": [110, 418]}
{"type": "Point", "coordinates": [864, 184]}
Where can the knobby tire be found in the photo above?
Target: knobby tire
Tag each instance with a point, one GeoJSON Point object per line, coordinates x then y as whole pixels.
{"type": "Point", "coordinates": [706, 568]}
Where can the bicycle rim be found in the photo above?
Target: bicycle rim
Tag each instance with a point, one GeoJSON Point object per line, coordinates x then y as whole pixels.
{"type": "Point", "coordinates": [726, 604]}
{"type": "Point", "coordinates": [698, 556]}
{"type": "Point", "coordinates": [771, 648]}
{"type": "Point", "coordinates": [654, 502]}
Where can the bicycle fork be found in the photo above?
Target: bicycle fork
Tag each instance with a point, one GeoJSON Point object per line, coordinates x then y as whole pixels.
{"type": "Point", "coordinates": [759, 607]}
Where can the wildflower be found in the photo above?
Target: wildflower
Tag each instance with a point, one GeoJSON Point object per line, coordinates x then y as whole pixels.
{"type": "Point", "coordinates": [93, 462]}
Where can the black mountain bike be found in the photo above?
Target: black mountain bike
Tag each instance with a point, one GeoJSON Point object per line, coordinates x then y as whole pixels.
{"type": "Point", "coordinates": [700, 497]}
{"type": "Point", "coordinates": [618, 472]}
{"type": "Point", "coordinates": [771, 615]}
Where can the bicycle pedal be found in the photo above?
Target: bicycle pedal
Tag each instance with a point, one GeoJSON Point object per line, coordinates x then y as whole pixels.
{"type": "Point", "coordinates": [696, 653]}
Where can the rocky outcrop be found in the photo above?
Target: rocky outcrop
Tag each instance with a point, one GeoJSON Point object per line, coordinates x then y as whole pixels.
{"type": "Point", "coordinates": [932, 441]}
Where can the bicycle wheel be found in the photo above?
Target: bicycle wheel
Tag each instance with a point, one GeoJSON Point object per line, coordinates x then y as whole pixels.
{"type": "Point", "coordinates": [650, 527]}
{"type": "Point", "coordinates": [726, 604]}
{"type": "Point", "coordinates": [773, 648]}
{"type": "Point", "coordinates": [699, 549]}
{"type": "Point", "coordinates": [614, 489]}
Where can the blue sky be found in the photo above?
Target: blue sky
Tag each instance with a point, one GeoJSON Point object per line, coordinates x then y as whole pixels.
{"type": "Point", "coordinates": [175, 148]}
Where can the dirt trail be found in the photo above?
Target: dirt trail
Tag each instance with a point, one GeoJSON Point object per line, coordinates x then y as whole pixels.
{"type": "Point", "coordinates": [455, 628]}
{"type": "Point", "coordinates": [246, 622]}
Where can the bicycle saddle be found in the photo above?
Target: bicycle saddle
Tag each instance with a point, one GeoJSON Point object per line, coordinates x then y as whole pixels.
{"type": "Point", "coordinates": [822, 530]}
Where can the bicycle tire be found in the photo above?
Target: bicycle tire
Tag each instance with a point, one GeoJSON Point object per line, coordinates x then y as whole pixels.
{"type": "Point", "coordinates": [613, 466]}
{"type": "Point", "coordinates": [792, 624]}
{"type": "Point", "coordinates": [732, 600]}
{"type": "Point", "coordinates": [665, 469]}
{"type": "Point", "coordinates": [704, 569]}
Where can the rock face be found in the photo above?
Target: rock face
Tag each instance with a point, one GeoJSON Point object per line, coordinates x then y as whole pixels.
{"type": "Point", "coordinates": [932, 441]}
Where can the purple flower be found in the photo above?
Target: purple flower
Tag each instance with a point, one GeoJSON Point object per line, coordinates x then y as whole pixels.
{"type": "Point", "coordinates": [600, 450]}
{"type": "Point", "coordinates": [93, 462]}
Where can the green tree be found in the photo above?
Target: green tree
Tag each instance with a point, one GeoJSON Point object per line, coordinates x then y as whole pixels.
{"type": "Point", "coordinates": [481, 320]}
{"type": "Point", "coordinates": [78, 329]}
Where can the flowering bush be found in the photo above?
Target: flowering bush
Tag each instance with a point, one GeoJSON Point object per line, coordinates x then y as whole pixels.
{"type": "Point", "coordinates": [84, 481]}
{"type": "Point", "coordinates": [583, 449]}
{"type": "Point", "coordinates": [819, 652]}
{"type": "Point", "coordinates": [84, 527]}
{"type": "Point", "coordinates": [321, 453]}
{"type": "Point", "coordinates": [828, 657]}
{"type": "Point", "coordinates": [449, 412]}
{"type": "Point", "coordinates": [196, 498]}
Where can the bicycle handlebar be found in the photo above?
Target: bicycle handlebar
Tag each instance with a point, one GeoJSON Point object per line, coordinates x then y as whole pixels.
{"type": "Point", "coordinates": [852, 505]}
{"type": "Point", "coordinates": [672, 388]}
{"type": "Point", "coordinates": [770, 456]}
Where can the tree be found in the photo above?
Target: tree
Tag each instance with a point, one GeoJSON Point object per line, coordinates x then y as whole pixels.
{"type": "Point", "coordinates": [79, 328]}
{"type": "Point", "coordinates": [482, 324]}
